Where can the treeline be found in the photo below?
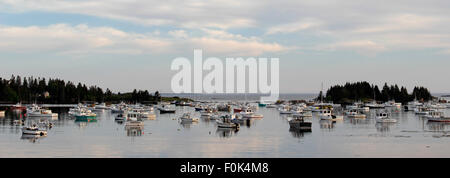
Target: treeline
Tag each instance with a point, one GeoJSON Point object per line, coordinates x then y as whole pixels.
{"type": "Point", "coordinates": [363, 91]}
{"type": "Point", "coordinates": [57, 91]}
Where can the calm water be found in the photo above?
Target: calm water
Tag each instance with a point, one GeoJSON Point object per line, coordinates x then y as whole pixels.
{"type": "Point", "coordinates": [412, 136]}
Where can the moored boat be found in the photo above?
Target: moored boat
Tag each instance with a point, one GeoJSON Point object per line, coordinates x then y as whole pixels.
{"type": "Point", "coordinates": [188, 118]}
{"type": "Point", "coordinates": [384, 117]}
{"type": "Point", "coordinates": [33, 130]}
{"type": "Point", "coordinates": [300, 123]}
{"type": "Point", "coordinates": [36, 111]}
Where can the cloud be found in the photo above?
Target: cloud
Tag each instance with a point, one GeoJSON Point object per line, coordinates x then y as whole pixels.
{"type": "Point", "coordinates": [294, 27]}
{"type": "Point", "coordinates": [364, 47]}
{"type": "Point", "coordinates": [325, 23]}
{"type": "Point", "coordinates": [82, 39]}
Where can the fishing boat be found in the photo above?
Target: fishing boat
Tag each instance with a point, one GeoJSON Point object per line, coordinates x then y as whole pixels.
{"type": "Point", "coordinates": [285, 109]}
{"type": "Point", "coordinates": [253, 116]}
{"type": "Point", "coordinates": [207, 112]}
{"type": "Point", "coordinates": [199, 107]}
{"type": "Point", "coordinates": [132, 116]}
{"type": "Point", "coordinates": [224, 107]}
{"type": "Point", "coordinates": [271, 106]}
{"type": "Point", "coordinates": [299, 123]}
{"type": "Point", "coordinates": [248, 113]}
{"type": "Point", "coordinates": [437, 116]}
{"type": "Point", "coordinates": [18, 107]}
{"type": "Point", "coordinates": [324, 113]}
{"type": "Point", "coordinates": [354, 113]}
{"type": "Point", "coordinates": [166, 109]}
{"type": "Point", "coordinates": [261, 104]}
{"type": "Point", "coordinates": [33, 130]}
{"type": "Point", "coordinates": [36, 111]}
{"type": "Point", "coordinates": [188, 118]}
{"type": "Point", "coordinates": [331, 117]}
{"type": "Point", "coordinates": [119, 108]}
{"type": "Point", "coordinates": [226, 122]}
{"type": "Point", "coordinates": [121, 117]}
{"type": "Point", "coordinates": [85, 115]}
{"type": "Point", "coordinates": [384, 117]}
{"type": "Point", "coordinates": [422, 110]}
{"type": "Point", "coordinates": [237, 110]}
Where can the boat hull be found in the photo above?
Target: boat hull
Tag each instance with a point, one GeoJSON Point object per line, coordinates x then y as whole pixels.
{"type": "Point", "coordinates": [166, 111]}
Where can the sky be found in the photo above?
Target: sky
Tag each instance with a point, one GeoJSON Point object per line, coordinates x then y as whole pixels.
{"type": "Point", "coordinates": [122, 45]}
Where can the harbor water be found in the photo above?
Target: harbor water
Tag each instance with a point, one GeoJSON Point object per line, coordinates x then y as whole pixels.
{"type": "Point", "coordinates": [166, 136]}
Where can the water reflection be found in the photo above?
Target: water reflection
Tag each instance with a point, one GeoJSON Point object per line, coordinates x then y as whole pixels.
{"type": "Point", "coordinates": [298, 133]}
{"type": "Point", "coordinates": [226, 132]}
{"type": "Point", "coordinates": [327, 124]}
{"type": "Point", "coordinates": [358, 121]}
{"type": "Point", "coordinates": [383, 127]}
{"type": "Point", "coordinates": [438, 126]}
{"type": "Point", "coordinates": [133, 131]}
{"type": "Point", "coordinates": [32, 138]}
{"type": "Point", "coordinates": [187, 124]}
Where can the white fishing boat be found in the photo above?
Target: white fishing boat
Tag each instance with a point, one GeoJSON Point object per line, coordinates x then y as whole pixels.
{"type": "Point", "coordinates": [354, 113]}
{"type": "Point", "coordinates": [285, 109]}
{"type": "Point", "coordinates": [253, 116]}
{"type": "Point", "coordinates": [207, 112]}
{"type": "Point", "coordinates": [132, 116]}
{"type": "Point", "coordinates": [166, 109]}
{"type": "Point", "coordinates": [331, 117]}
{"type": "Point", "coordinates": [33, 130]}
{"type": "Point", "coordinates": [437, 116]}
{"type": "Point", "coordinates": [119, 108]}
{"type": "Point", "coordinates": [324, 113]}
{"type": "Point", "coordinates": [438, 106]}
{"type": "Point", "coordinates": [36, 111]}
{"type": "Point", "coordinates": [188, 118]}
{"type": "Point", "coordinates": [248, 113]}
{"type": "Point", "coordinates": [422, 110]}
{"type": "Point", "coordinates": [384, 117]}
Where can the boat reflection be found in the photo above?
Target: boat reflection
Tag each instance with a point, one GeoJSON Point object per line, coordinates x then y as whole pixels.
{"type": "Point", "coordinates": [438, 126]}
{"type": "Point", "coordinates": [31, 138]}
{"type": "Point", "coordinates": [327, 124]}
{"type": "Point", "coordinates": [298, 133]}
{"type": "Point", "coordinates": [133, 131]}
{"type": "Point", "coordinates": [358, 121]}
{"type": "Point", "coordinates": [226, 132]}
{"type": "Point", "coordinates": [245, 122]}
{"type": "Point", "coordinates": [383, 127]}
{"type": "Point", "coordinates": [187, 124]}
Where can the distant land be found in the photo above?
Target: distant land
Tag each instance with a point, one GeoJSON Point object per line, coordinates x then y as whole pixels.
{"type": "Point", "coordinates": [364, 91]}
{"type": "Point", "coordinates": [57, 91]}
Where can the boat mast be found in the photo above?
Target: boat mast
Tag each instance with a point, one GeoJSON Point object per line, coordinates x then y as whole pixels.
{"type": "Point", "coordinates": [321, 93]}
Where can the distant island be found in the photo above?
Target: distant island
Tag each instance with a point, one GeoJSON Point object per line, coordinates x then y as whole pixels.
{"type": "Point", "coordinates": [57, 91]}
{"type": "Point", "coordinates": [364, 91]}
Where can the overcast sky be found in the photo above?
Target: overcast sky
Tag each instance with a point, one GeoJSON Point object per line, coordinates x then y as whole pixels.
{"type": "Point", "coordinates": [123, 45]}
